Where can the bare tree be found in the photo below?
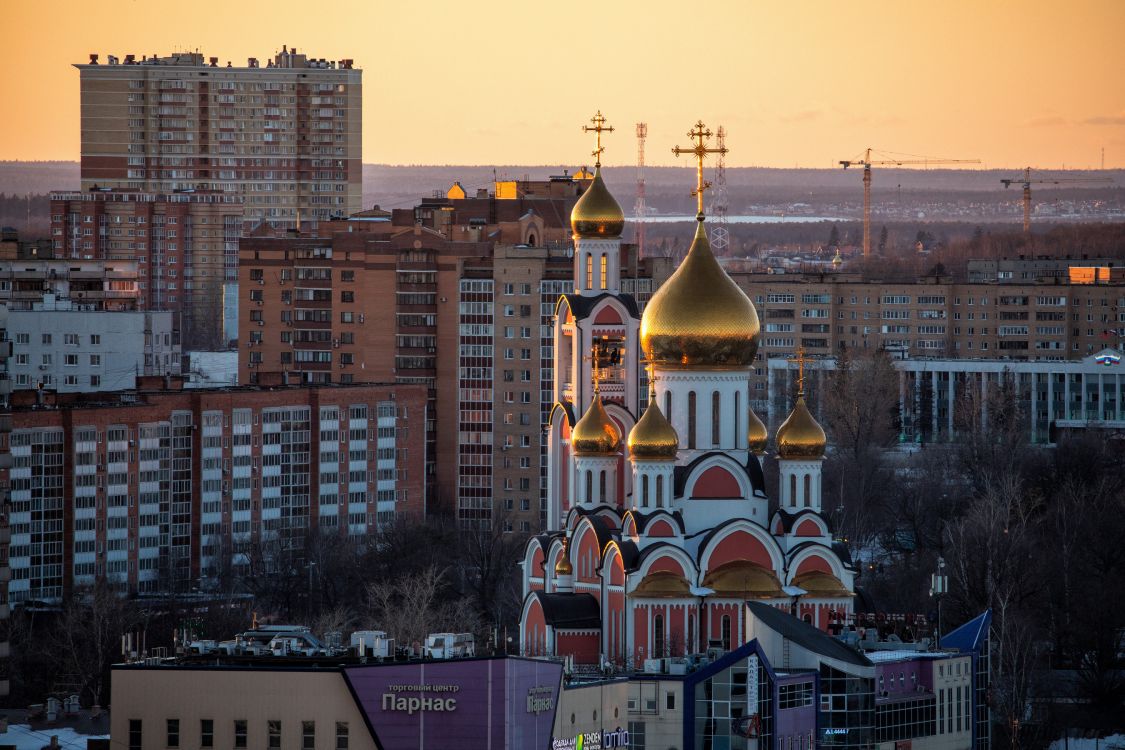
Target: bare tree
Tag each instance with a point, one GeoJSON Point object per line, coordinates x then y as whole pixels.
{"type": "Point", "coordinates": [87, 637]}
{"type": "Point", "coordinates": [412, 606]}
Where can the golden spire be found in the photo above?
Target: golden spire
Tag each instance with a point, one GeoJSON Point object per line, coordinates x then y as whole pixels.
{"type": "Point", "coordinates": [597, 215]}
{"type": "Point", "coordinates": [563, 566]}
{"type": "Point", "coordinates": [700, 133]}
{"type": "Point", "coordinates": [800, 436]}
{"type": "Point", "coordinates": [653, 438]}
{"type": "Point", "coordinates": [599, 127]}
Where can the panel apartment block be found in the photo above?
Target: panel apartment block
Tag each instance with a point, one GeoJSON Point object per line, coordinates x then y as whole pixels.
{"type": "Point", "coordinates": [285, 136]}
{"type": "Point", "coordinates": [165, 489]}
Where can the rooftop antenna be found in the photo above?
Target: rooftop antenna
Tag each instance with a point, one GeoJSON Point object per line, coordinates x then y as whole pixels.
{"type": "Point", "coordinates": [720, 237]}
{"type": "Point", "coordinates": [639, 207]}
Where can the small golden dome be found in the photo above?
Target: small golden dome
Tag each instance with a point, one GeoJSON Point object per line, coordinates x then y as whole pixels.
{"type": "Point", "coordinates": [837, 260]}
{"type": "Point", "coordinates": [595, 434]}
{"type": "Point", "coordinates": [597, 215]}
{"type": "Point", "coordinates": [799, 435]}
{"type": "Point", "coordinates": [662, 584]}
{"type": "Point", "coordinates": [821, 585]}
{"type": "Point", "coordinates": [563, 566]}
{"type": "Point", "coordinates": [699, 318]}
{"type": "Point", "coordinates": [742, 579]}
{"type": "Point", "coordinates": [757, 436]}
{"type": "Point", "coordinates": [653, 437]}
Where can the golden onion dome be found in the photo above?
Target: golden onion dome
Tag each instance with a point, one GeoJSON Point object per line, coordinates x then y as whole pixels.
{"type": "Point", "coordinates": [820, 585]}
{"type": "Point", "coordinates": [837, 259]}
{"type": "Point", "coordinates": [662, 584]}
{"type": "Point", "coordinates": [699, 318]}
{"type": "Point", "coordinates": [595, 434]}
{"type": "Point", "coordinates": [563, 566]}
{"type": "Point", "coordinates": [653, 437]}
{"type": "Point", "coordinates": [799, 435]}
{"type": "Point", "coordinates": [757, 436]}
{"type": "Point", "coordinates": [597, 215]}
{"type": "Point", "coordinates": [742, 579]}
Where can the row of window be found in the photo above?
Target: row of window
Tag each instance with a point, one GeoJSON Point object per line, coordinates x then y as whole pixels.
{"type": "Point", "coordinates": [240, 732]}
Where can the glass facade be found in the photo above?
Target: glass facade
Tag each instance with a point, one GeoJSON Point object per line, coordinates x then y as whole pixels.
{"type": "Point", "coordinates": [724, 698]}
{"type": "Point", "coordinates": [905, 719]}
{"type": "Point", "coordinates": [847, 710]}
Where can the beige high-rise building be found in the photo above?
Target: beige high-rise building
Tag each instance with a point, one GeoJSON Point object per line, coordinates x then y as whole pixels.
{"type": "Point", "coordinates": [286, 135]}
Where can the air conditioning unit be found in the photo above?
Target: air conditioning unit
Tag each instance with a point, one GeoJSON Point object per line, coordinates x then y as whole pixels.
{"type": "Point", "coordinates": [262, 282]}
{"type": "Point", "coordinates": [261, 322]}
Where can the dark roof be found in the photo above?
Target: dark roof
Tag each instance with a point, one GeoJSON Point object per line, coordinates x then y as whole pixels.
{"type": "Point", "coordinates": [806, 635]}
{"type": "Point", "coordinates": [577, 611]}
{"type": "Point", "coordinates": [970, 636]}
{"type": "Point", "coordinates": [601, 528]}
{"type": "Point", "coordinates": [582, 305]}
{"type": "Point", "coordinates": [568, 409]}
{"type": "Point", "coordinates": [630, 555]}
{"type": "Point", "coordinates": [643, 519]}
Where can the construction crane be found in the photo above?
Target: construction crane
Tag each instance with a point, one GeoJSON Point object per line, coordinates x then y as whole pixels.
{"type": "Point", "coordinates": [1026, 181]}
{"type": "Point", "coordinates": [867, 163]}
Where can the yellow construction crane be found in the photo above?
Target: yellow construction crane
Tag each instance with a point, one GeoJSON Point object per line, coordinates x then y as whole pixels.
{"type": "Point", "coordinates": [867, 163]}
{"type": "Point", "coordinates": [1026, 181]}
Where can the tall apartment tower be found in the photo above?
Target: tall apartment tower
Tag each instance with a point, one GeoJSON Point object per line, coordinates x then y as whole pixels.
{"type": "Point", "coordinates": [285, 136]}
{"type": "Point", "coordinates": [5, 504]}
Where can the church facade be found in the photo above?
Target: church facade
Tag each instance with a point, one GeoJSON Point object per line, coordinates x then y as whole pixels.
{"type": "Point", "coordinates": [662, 528]}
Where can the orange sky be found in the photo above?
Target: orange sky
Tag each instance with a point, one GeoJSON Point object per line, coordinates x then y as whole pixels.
{"type": "Point", "coordinates": [1011, 82]}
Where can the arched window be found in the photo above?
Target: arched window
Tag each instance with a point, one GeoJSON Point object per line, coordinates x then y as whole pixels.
{"type": "Point", "coordinates": [605, 279]}
{"type": "Point", "coordinates": [724, 630]}
{"type": "Point", "coordinates": [668, 404]}
{"type": "Point", "coordinates": [691, 420]}
{"type": "Point", "coordinates": [737, 422]}
{"type": "Point", "coordinates": [808, 490]}
{"type": "Point", "coordinates": [658, 636]}
{"type": "Point", "coordinates": [716, 416]}
{"type": "Point", "coordinates": [589, 487]}
{"type": "Point", "coordinates": [531, 240]}
{"type": "Point", "coordinates": [601, 486]}
{"type": "Point", "coordinates": [644, 490]}
{"type": "Point", "coordinates": [589, 271]}
{"type": "Point", "coordinates": [659, 490]}
{"type": "Point", "coordinates": [792, 489]}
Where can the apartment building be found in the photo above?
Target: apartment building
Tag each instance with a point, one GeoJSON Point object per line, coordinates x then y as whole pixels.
{"type": "Point", "coordinates": [161, 490]}
{"type": "Point", "coordinates": [5, 504]}
{"type": "Point", "coordinates": [933, 317]}
{"type": "Point", "coordinates": [184, 245]}
{"type": "Point", "coordinates": [95, 285]}
{"type": "Point", "coordinates": [459, 295]}
{"type": "Point", "coordinates": [285, 136]}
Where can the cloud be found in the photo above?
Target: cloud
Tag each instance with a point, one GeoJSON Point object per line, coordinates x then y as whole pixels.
{"type": "Point", "coordinates": [1118, 119]}
{"type": "Point", "coordinates": [1046, 121]}
{"type": "Point", "coordinates": [807, 115]}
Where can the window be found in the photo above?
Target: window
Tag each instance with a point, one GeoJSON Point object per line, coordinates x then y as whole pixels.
{"type": "Point", "coordinates": [273, 726]}
{"type": "Point", "coordinates": [135, 734]}
{"type": "Point", "coordinates": [173, 732]}
{"type": "Point", "coordinates": [206, 733]}
{"type": "Point", "coordinates": [240, 733]}
{"type": "Point", "coordinates": [658, 636]}
{"type": "Point", "coordinates": [347, 296]}
{"type": "Point", "coordinates": [691, 420]}
{"type": "Point", "coordinates": [725, 632]}
{"type": "Point", "coordinates": [46, 338]}
{"type": "Point", "coordinates": [341, 735]}
{"type": "Point", "coordinates": [308, 735]}
{"type": "Point", "coordinates": [715, 417]}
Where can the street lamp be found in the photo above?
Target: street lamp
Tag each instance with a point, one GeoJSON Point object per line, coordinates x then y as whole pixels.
{"type": "Point", "coordinates": [939, 585]}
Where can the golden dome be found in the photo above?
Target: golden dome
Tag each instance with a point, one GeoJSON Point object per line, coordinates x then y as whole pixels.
{"type": "Point", "coordinates": [653, 437]}
{"type": "Point", "coordinates": [595, 434]}
{"type": "Point", "coordinates": [699, 318]}
{"type": "Point", "coordinates": [799, 435]}
{"type": "Point", "coordinates": [597, 215]}
{"type": "Point", "coordinates": [742, 579]}
{"type": "Point", "coordinates": [821, 585]}
{"type": "Point", "coordinates": [837, 259]}
{"type": "Point", "coordinates": [757, 436]}
{"type": "Point", "coordinates": [662, 584]}
{"type": "Point", "coordinates": [563, 566]}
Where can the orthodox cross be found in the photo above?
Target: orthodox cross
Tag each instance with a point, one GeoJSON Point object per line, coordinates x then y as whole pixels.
{"type": "Point", "coordinates": [595, 357]}
{"type": "Point", "coordinates": [700, 133]}
{"type": "Point", "coordinates": [599, 127]}
{"type": "Point", "coordinates": [800, 359]}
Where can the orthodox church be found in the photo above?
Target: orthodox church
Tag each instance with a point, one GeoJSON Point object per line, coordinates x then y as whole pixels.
{"type": "Point", "coordinates": [664, 530]}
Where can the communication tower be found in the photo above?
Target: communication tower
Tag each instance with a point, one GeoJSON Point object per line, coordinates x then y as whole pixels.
{"type": "Point", "coordinates": [720, 237]}
{"type": "Point", "coordinates": [639, 206]}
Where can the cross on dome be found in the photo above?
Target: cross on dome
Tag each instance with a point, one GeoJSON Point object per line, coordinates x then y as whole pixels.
{"type": "Point", "coordinates": [599, 127]}
{"type": "Point", "coordinates": [700, 134]}
{"type": "Point", "coordinates": [800, 359]}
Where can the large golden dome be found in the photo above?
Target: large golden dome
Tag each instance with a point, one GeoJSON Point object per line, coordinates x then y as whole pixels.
{"type": "Point", "coordinates": [653, 438]}
{"type": "Point", "coordinates": [742, 579]}
{"type": "Point", "coordinates": [799, 435]}
{"type": "Point", "coordinates": [756, 435]}
{"type": "Point", "coordinates": [595, 434]}
{"type": "Point", "coordinates": [597, 215]}
{"type": "Point", "coordinates": [700, 318]}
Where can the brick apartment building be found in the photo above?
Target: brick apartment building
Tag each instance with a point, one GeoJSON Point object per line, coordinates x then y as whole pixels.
{"type": "Point", "coordinates": [184, 244]}
{"type": "Point", "coordinates": [933, 317]}
{"type": "Point", "coordinates": [5, 505]}
{"type": "Point", "coordinates": [165, 489]}
{"type": "Point", "coordinates": [458, 294]}
{"type": "Point", "coordinates": [286, 137]}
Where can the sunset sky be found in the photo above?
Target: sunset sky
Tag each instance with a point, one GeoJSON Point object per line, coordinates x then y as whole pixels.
{"type": "Point", "coordinates": [804, 84]}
